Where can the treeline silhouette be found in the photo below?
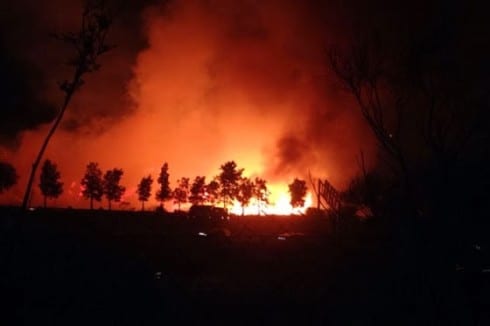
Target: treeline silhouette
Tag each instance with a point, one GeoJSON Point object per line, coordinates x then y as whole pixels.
{"type": "Point", "coordinates": [228, 186]}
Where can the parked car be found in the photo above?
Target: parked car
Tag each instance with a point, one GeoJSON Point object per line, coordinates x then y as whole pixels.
{"type": "Point", "coordinates": [208, 212]}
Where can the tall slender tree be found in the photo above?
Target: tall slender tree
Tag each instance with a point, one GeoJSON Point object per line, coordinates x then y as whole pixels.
{"type": "Point", "coordinates": [49, 183]}
{"type": "Point", "coordinates": [92, 183]}
{"type": "Point", "coordinates": [198, 191]}
{"type": "Point", "coordinates": [212, 191]}
{"type": "Point", "coordinates": [144, 190]}
{"type": "Point", "coordinates": [113, 191]}
{"type": "Point", "coordinates": [164, 193]}
{"type": "Point", "coordinates": [229, 177]}
{"type": "Point", "coordinates": [261, 194]}
{"type": "Point", "coordinates": [89, 42]}
{"type": "Point", "coordinates": [246, 190]}
{"type": "Point", "coordinates": [8, 176]}
{"type": "Point", "coordinates": [181, 192]}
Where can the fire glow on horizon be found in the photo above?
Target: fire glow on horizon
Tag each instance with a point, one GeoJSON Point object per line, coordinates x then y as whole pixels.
{"type": "Point", "coordinates": [210, 86]}
{"type": "Point", "coordinates": [279, 204]}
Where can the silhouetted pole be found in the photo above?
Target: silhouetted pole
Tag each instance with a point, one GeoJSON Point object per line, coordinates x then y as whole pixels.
{"type": "Point", "coordinates": [69, 95]}
{"type": "Point", "coordinates": [89, 43]}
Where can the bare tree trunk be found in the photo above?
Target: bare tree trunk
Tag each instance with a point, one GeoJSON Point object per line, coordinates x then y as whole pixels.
{"type": "Point", "coordinates": [142, 206]}
{"type": "Point", "coordinates": [69, 95]}
{"type": "Point", "coordinates": [91, 203]}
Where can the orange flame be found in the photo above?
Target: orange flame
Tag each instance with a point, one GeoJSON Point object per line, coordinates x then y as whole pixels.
{"type": "Point", "coordinates": [279, 203]}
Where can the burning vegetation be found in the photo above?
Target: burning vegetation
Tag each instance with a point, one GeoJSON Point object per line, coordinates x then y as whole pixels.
{"type": "Point", "coordinates": [230, 189]}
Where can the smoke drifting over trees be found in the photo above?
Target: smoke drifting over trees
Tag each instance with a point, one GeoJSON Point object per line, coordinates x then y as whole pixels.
{"type": "Point", "coordinates": [242, 86]}
{"type": "Point", "coordinates": [203, 79]}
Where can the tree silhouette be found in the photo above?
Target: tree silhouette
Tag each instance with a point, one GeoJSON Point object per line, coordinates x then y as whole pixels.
{"type": "Point", "coordinates": [426, 102]}
{"type": "Point", "coordinates": [164, 193]}
{"type": "Point", "coordinates": [229, 178]}
{"type": "Point", "coordinates": [49, 183]}
{"type": "Point", "coordinates": [89, 42]}
{"type": "Point", "coordinates": [212, 191]}
{"type": "Point", "coordinates": [181, 192]}
{"type": "Point", "coordinates": [198, 191]}
{"type": "Point", "coordinates": [365, 72]}
{"type": "Point", "coordinates": [246, 190]}
{"type": "Point", "coordinates": [113, 191]}
{"type": "Point", "coordinates": [261, 193]}
{"type": "Point", "coordinates": [298, 190]}
{"type": "Point", "coordinates": [368, 190]}
{"type": "Point", "coordinates": [92, 183]}
{"type": "Point", "coordinates": [8, 176]}
{"type": "Point", "coordinates": [144, 190]}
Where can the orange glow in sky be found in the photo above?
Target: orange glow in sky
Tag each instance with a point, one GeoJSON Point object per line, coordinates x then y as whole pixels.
{"type": "Point", "coordinates": [207, 89]}
{"type": "Point", "coordinates": [278, 203]}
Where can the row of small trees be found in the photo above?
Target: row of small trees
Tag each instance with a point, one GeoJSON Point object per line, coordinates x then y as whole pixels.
{"type": "Point", "coordinates": [49, 182]}
{"type": "Point", "coordinates": [94, 184]}
{"type": "Point", "coordinates": [229, 185]}
{"type": "Point", "coordinates": [226, 187]}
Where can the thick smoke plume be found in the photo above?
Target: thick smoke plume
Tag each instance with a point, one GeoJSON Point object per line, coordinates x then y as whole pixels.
{"type": "Point", "coordinates": [210, 81]}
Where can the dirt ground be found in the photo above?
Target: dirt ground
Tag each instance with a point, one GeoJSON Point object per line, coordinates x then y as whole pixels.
{"type": "Point", "coordinates": [70, 267]}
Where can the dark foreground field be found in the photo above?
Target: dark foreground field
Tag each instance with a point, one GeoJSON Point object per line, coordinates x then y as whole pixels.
{"type": "Point", "coordinates": [71, 267]}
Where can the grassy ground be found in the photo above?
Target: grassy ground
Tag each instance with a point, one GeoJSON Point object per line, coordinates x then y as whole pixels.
{"type": "Point", "coordinates": [71, 267]}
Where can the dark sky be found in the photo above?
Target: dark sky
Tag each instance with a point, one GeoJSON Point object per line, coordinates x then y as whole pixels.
{"type": "Point", "coordinates": [31, 63]}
